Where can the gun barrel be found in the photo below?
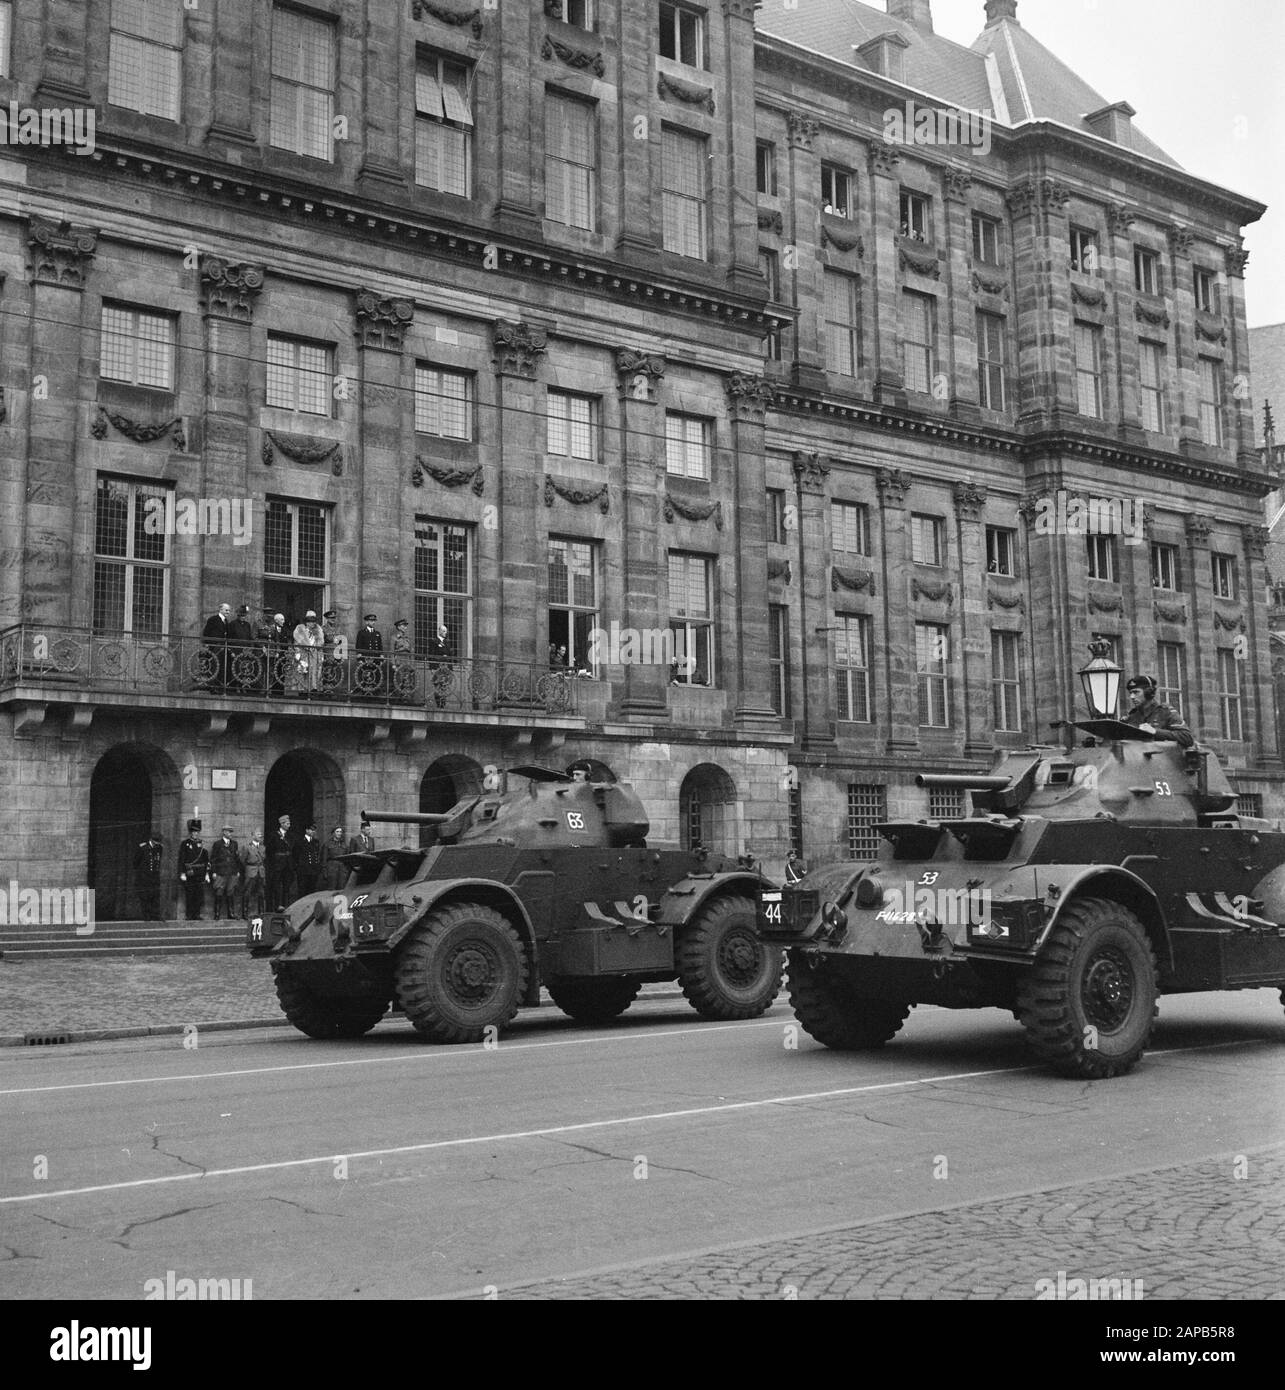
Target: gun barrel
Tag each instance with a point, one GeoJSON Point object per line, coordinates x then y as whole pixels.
{"type": "Point", "coordinates": [961, 781]}
{"type": "Point", "coordinates": [404, 817]}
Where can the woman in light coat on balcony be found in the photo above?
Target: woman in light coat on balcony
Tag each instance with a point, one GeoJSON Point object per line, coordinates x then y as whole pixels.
{"type": "Point", "coordinates": [309, 639]}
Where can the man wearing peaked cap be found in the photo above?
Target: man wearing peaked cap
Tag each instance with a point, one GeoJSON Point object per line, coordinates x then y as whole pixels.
{"type": "Point", "coordinates": [147, 873]}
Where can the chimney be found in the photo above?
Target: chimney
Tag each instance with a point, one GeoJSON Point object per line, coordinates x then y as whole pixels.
{"type": "Point", "coordinates": [884, 54]}
{"type": "Point", "coordinates": [1000, 9]}
{"type": "Point", "coordinates": [918, 13]}
{"type": "Point", "coordinates": [1112, 122]}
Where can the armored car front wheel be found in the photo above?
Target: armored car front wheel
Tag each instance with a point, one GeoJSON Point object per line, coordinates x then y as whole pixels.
{"type": "Point", "coordinates": [724, 968]}
{"type": "Point", "coordinates": [593, 1001]}
{"type": "Point", "coordinates": [828, 1005]}
{"type": "Point", "coordinates": [1088, 1003]}
{"type": "Point", "coordinates": [320, 1016]}
{"type": "Point", "coordinates": [462, 971]}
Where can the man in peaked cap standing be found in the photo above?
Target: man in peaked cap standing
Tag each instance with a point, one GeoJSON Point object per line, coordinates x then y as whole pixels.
{"type": "Point", "coordinates": [193, 870]}
{"type": "Point", "coordinates": [147, 872]}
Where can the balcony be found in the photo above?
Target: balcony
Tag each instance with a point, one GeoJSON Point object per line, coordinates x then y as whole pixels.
{"type": "Point", "coordinates": [44, 667]}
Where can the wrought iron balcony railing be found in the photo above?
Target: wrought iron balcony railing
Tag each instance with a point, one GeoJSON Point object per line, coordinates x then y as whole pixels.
{"type": "Point", "coordinates": [77, 659]}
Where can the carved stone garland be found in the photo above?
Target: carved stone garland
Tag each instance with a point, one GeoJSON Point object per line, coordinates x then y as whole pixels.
{"type": "Point", "coordinates": [693, 511]}
{"type": "Point", "coordinates": [579, 58]}
{"type": "Point", "coordinates": [578, 497]}
{"type": "Point", "coordinates": [306, 452]}
{"type": "Point", "coordinates": [140, 431]}
{"type": "Point", "coordinates": [448, 477]}
{"type": "Point", "coordinates": [855, 581]}
{"type": "Point", "coordinates": [689, 92]}
{"type": "Point", "coordinates": [446, 14]}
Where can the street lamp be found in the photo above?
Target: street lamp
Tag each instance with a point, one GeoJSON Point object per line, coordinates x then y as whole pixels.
{"type": "Point", "coordinates": [1101, 681]}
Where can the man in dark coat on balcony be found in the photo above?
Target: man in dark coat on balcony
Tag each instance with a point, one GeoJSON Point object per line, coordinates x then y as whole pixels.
{"type": "Point", "coordinates": [147, 874]}
{"type": "Point", "coordinates": [369, 674]}
{"type": "Point", "coordinates": [240, 637]}
{"type": "Point", "coordinates": [193, 870]}
{"type": "Point", "coordinates": [215, 634]}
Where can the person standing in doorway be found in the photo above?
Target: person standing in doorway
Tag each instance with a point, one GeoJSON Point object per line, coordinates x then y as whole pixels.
{"type": "Point", "coordinates": [281, 866]}
{"type": "Point", "coordinates": [193, 870]}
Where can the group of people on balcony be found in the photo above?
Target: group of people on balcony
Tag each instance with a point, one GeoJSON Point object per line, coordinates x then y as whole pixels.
{"type": "Point", "coordinates": [259, 876]}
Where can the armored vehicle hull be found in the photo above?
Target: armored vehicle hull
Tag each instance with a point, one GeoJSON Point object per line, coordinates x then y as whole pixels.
{"type": "Point", "coordinates": [1088, 882]}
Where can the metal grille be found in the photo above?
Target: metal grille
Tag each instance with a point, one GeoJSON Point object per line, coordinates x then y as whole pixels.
{"type": "Point", "coordinates": [443, 584]}
{"type": "Point", "coordinates": [444, 403]}
{"type": "Point", "coordinates": [143, 56]}
{"type": "Point", "coordinates": [867, 807]}
{"type": "Point", "coordinates": [852, 668]}
{"type": "Point", "coordinates": [841, 351]}
{"type": "Point", "coordinates": [945, 803]}
{"type": "Point", "coordinates": [683, 192]}
{"type": "Point", "coordinates": [570, 161]}
{"type": "Point", "coordinates": [571, 425]}
{"type": "Point", "coordinates": [298, 375]}
{"type": "Point", "coordinates": [687, 446]}
{"type": "Point", "coordinates": [137, 347]}
{"type": "Point", "coordinates": [1249, 804]}
{"type": "Point", "coordinates": [796, 820]}
{"type": "Point", "coordinates": [850, 527]}
{"type": "Point", "coordinates": [303, 65]}
{"type": "Point", "coordinates": [444, 126]}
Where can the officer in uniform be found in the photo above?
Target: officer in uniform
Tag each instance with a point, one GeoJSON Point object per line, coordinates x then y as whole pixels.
{"type": "Point", "coordinates": [193, 870]}
{"type": "Point", "coordinates": [309, 857]}
{"type": "Point", "coordinates": [281, 866]}
{"type": "Point", "coordinates": [147, 872]}
{"type": "Point", "coordinates": [1152, 717]}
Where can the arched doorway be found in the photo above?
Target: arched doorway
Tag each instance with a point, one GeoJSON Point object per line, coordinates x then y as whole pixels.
{"type": "Point", "coordinates": [448, 780]}
{"type": "Point", "coordinates": [708, 812]}
{"type": "Point", "coordinates": [134, 789]}
{"type": "Point", "coordinates": [306, 785]}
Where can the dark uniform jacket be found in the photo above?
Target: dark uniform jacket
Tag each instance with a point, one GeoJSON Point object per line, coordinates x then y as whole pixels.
{"type": "Point", "coordinates": [225, 859]}
{"type": "Point", "coordinates": [147, 861]}
{"type": "Point", "coordinates": [216, 629]}
{"type": "Point", "coordinates": [1163, 719]}
{"type": "Point", "coordinates": [370, 640]}
{"type": "Point", "coordinates": [309, 854]}
{"type": "Point", "coordinates": [281, 847]}
{"type": "Point", "coordinates": [193, 860]}
{"type": "Point", "coordinates": [358, 845]}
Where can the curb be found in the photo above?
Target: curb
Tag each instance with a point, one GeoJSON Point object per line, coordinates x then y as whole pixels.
{"type": "Point", "coordinates": [52, 1037]}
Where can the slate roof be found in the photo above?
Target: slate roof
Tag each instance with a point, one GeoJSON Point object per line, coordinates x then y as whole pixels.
{"type": "Point", "coordinates": [1036, 85]}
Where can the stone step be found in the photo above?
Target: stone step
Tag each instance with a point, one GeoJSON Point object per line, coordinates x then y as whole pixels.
{"type": "Point", "coordinates": [170, 949]}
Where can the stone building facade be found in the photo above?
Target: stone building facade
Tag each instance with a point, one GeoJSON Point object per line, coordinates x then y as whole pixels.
{"type": "Point", "coordinates": [613, 327]}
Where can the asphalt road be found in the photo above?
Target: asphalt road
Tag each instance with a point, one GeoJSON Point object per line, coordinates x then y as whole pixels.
{"type": "Point", "coordinates": [616, 1162]}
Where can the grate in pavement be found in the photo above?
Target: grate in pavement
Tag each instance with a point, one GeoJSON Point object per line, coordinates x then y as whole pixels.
{"type": "Point", "coordinates": [44, 1039]}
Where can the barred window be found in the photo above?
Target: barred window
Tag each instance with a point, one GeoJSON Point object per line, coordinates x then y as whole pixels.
{"type": "Point", "coordinates": [131, 557]}
{"type": "Point", "coordinates": [573, 603]}
{"type": "Point", "coordinates": [932, 667]}
{"type": "Point", "coordinates": [444, 125]}
{"type": "Point", "coordinates": [687, 445]}
{"type": "Point", "coordinates": [1211, 402]}
{"type": "Point", "coordinates": [1151, 375]}
{"type": "Point", "coordinates": [684, 193]}
{"type": "Point", "coordinates": [443, 585]}
{"type": "Point", "coordinates": [571, 161]}
{"type": "Point", "coordinates": [795, 805]}
{"type": "Point", "coordinates": [1006, 688]}
{"type": "Point", "coordinates": [990, 361]}
{"type": "Point", "coordinates": [842, 324]}
{"type": "Point", "coordinates": [852, 668]}
{"type": "Point", "coordinates": [850, 527]}
{"type": "Point", "coordinates": [1170, 665]}
{"type": "Point", "coordinates": [917, 340]}
{"type": "Point", "coordinates": [444, 402]}
{"type": "Point", "coordinates": [1229, 693]}
{"type": "Point", "coordinates": [572, 425]}
{"type": "Point", "coordinates": [144, 53]}
{"type": "Point", "coordinates": [137, 346]}
{"type": "Point", "coordinates": [303, 83]}
{"type": "Point", "coordinates": [778, 657]}
{"type": "Point", "coordinates": [945, 803]}
{"type": "Point", "coordinates": [1088, 369]}
{"type": "Point", "coordinates": [299, 375]}
{"type": "Point", "coordinates": [1250, 804]}
{"type": "Point", "coordinates": [691, 613]}
{"type": "Point", "coordinates": [867, 807]}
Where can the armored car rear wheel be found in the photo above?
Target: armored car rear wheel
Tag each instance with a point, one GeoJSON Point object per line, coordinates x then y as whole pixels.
{"type": "Point", "coordinates": [462, 971]}
{"type": "Point", "coordinates": [322, 1017]}
{"type": "Point", "coordinates": [725, 970]}
{"type": "Point", "coordinates": [831, 1010]}
{"type": "Point", "coordinates": [593, 1001]}
{"type": "Point", "coordinates": [1088, 1003]}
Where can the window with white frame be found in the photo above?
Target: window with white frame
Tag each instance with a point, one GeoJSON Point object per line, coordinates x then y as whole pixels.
{"type": "Point", "coordinates": [303, 83]}
{"type": "Point", "coordinates": [444, 124]}
{"type": "Point", "coordinates": [296, 557]}
{"type": "Point", "coordinates": [573, 603]}
{"type": "Point", "coordinates": [1204, 285]}
{"type": "Point", "coordinates": [299, 375]}
{"type": "Point", "coordinates": [917, 340]}
{"type": "Point", "coordinates": [443, 560]}
{"type": "Point", "coordinates": [577, 12]}
{"type": "Point", "coordinates": [1146, 271]}
{"type": "Point", "coordinates": [1229, 693]}
{"type": "Point", "coordinates": [1088, 369]}
{"type": "Point", "coordinates": [144, 55]}
{"type": "Point", "coordinates": [1210, 375]}
{"type": "Point", "coordinates": [1001, 550]}
{"type": "Point", "coordinates": [444, 402]}
{"type": "Point", "coordinates": [137, 346]}
{"type": "Point", "coordinates": [986, 239]}
{"type": "Point", "coordinates": [1006, 681]}
{"type": "Point", "coordinates": [1170, 666]}
{"type": "Point", "coordinates": [131, 557]}
{"type": "Point", "coordinates": [570, 161]}
{"type": "Point", "coordinates": [691, 618]}
{"type": "Point", "coordinates": [776, 515]}
{"type": "Point", "coordinates": [1084, 251]}
{"type": "Point", "coordinates": [6, 37]}
{"type": "Point", "coordinates": [1222, 574]}
{"type": "Point", "coordinates": [915, 211]}
{"type": "Point", "coordinates": [852, 668]}
{"type": "Point", "coordinates": [770, 266]}
{"type": "Point", "coordinates": [1164, 565]}
{"type": "Point", "coordinates": [842, 323]}
{"type": "Point", "coordinates": [765, 168]}
{"type": "Point", "coordinates": [836, 191]}
{"type": "Point", "coordinates": [1151, 378]}
{"type": "Point", "coordinates": [684, 193]}
{"type": "Point", "coordinates": [1100, 552]}
{"type": "Point", "coordinates": [682, 35]}
{"type": "Point", "coordinates": [990, 361]}
{"type": "Point", "coordinates": [932, 674]}
{"type": "Point", "coordinates": [867, 808]}
{"type": "Point", "coordinates": [778, 657]}
{"type": "Point", "coordinates": [850, 527]}
{"type": "Point", "coordinates": [572, 425]}
{"type": "Point", "coordinates": [687, 445]}
{"type": "Point", "coordinates": [927, 539]}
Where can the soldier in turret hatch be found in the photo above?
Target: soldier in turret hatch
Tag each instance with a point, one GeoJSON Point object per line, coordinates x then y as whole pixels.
{"type": "Point", "coordinates": [1152, 717]}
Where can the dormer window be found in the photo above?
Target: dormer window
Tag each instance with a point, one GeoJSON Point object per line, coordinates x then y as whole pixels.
{"type": "Point", "coordinates": [915, 214]}
{"type": "Point", "coordinates": [885, 54]}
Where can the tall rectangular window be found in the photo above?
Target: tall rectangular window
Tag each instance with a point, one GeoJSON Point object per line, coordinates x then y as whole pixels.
{"type": "Point", "coordinates": [778, 657]}
{"type": "Point", "coordinates": [691, 618]}
{"type": "Point", "coordinates": [867, 807]}
{"type": "Point", "coordinates": [775, 517]}
{"type": "Point", "coordinates": [985, 239]}
{"type": "Point", "coordinates": [765, 167]}
{"type": "Point", "coordinates": [850, 527]}
{"type": "Point", "coordinates": [1229, 693]}
{"type": "Point", "coordinates": [916, 218]}
{"type": "Point", "coordinates": [1222, 574]}
{"type": "Point", "coordinates": [687, 445]}
{"type": "Point", "coordinates": [842, 325]}
{"type": "Point", "coordinates": [836, 191]}
{"type": "Point", "coordinates": [1164, 566]}
{"type": "Point", "coordinates": [927, 539]}
{"type": "Point", "coordinates": [1151, 376]}
{"type": "Point", "coordinates": [570, 161]}
{"type": "Point", "coordinates": [1100, 557]}
{"type": "Point", "coordinates": [990, 361]}
{"type": "Point", "coordinates": [299, 375]}
{"type": "Point", "coordinates": [1084, 251]}
{"type": "Point", "coordinates": [1146, 271]}
{"type": "Point", "coordinates": [1205, 288]}
{"type": "Point", "coordinates": [303, 83]}
{"type": "Point", "coordinates": [573, 425]}
{"type": "Point", "coordinates": [443, 585]}
{"type": "Point", "coordinates": [137, 346]}
{"type": "Point", "coordinates": [684, 193]}
{"type": "Point", "coordinates": [1088, 369]}
{"type": "Point", "coordinates": [131, 558]}
{"type": "Point", "coordinates": [573, 603]}
{"type": "Point", "coordinates": [1001, 550]}
{"type": "Point", "coordinates": [6, 37]}
{"type": "Point", "coordinates": [1170, 666]}
{"type": "Point", "coordinates": [917, 340]}
{"type": "Point", "coordinates": [852, 668]}
{"type": "Point", "coordinates": [444, 125]}
{"type": "Point", "coordinates": [1006, 685]}
{"type": "Point", "coordinates": [770, 266]}
{"type": "Point", "coordinates": [296, 556]}
{"type": "Point", "coordinates": [144, 54]}
{"type": "Point", "coordinates": [932, 671]}
{"type": "Point", "coordinates": [577, 12]}
{"type": "Point", "coordinates": [682, 35]}
{"type": "Point", "coordinates": [444, 402]}
{"type": "Point", "coordinates": [1211, 402]}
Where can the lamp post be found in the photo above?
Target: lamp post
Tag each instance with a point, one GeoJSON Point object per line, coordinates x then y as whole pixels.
{"type": "Point", "coordinates": [1101, 681]}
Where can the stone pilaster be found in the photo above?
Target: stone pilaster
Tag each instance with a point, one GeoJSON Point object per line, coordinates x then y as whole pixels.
{"type": "Point", "coordinates": [961, 326]}
{"type": "Point", "coordinates": [738, 95]}
{"type": "Point", "coordinates": [802, 270]}
{"type": "Point", "coordinates": [899, 673]}
{"type": "Point", "coordinates": [1123, 402]}
{"type": "Point", "coordinates": [1040, 232]}
{"type": "Point", "coordinates": [1204, 713]}
{"type": "Point", "coordinates": [1184, 390]}
{"type": "Point", "coordinates": [974, 629]}
{"type": "Point", "coordinates": [518, 113]}
{"type": "Point", "coordinates": [232, 115]}
{"type": "Point", "coordinates": [65, 49]}
{"type": "Point", "coordinates": [1260, 724]}
{"type": "Point", "coordinates": [810, 474]}
{"type": "Point", "coordinates": [380, 170]}
{"type": "Point", "coordinates": [886, 291]}
{"type": "Point", "coordinates": [1237, 366]}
